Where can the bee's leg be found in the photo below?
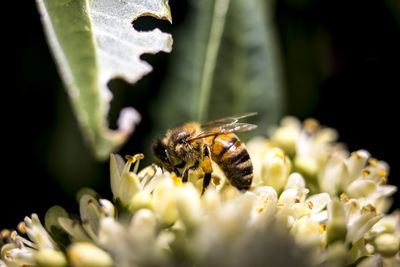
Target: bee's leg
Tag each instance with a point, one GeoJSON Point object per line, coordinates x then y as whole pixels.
{"type": "Point", "coordinates": [185, 175]}
{"type": "Point", "coordinates": [207, 167]}
{"type": "Point", "coordinates": [179, 166]}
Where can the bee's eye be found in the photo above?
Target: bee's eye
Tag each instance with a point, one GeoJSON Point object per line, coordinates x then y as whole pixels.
{"type": "Point", "coordinates": [181, 137]}
{"type": "Point", "coordinates": [161, 152]}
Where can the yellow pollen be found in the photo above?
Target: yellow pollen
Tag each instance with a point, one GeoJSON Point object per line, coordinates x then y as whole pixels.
{"type": "Point", "coordinates": [311, 125]}
{"type": "Point", "coordinates": [280, 205]}
{"type": "Point", "coordinates": [373, 162]}
{"type": "Point", "coordinates": [279, 153]}
{"type": "Point", "coordinates": [382, 173]}
{"type": "Point", "coordinates": [322, 228]}
{"type": "Point", "coordinates": [310, 205]}
{"type": "Point", "coordinates": [355, 155]}
{"type": "Point", "coordinates": [259, 210]}
{"type": "Point", "coordinates": [366, 172]}
{"type": "Point", "coordinates": [344, 198]}
{"type": "Point", "coordinates": [384, 180]}
{"type": "Point", "coordinates": [14, 235]}
{"type": "Point", "coordinates": [5, 233]}
{"type": "Point", "coordinates": [368, 208]}
{"type": "Point", "coordinates": [177, 181]}
{"type": "Point", "coordinates": [297, 200]}
{"type": "Point", "coordinates": [21, 227]}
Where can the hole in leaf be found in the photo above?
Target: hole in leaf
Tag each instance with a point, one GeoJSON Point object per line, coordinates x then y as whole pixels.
{"type": "Point", "coordinates": [148, 23]}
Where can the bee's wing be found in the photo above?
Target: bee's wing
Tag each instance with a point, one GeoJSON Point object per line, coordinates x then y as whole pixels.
{"type": "Point", "coordinates": [227, 120]}
{"type": "Point", "coordinates": [224, 129]}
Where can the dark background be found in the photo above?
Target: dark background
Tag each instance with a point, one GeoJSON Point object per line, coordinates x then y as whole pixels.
{"type": "Point", "coordinates": [341, 62]}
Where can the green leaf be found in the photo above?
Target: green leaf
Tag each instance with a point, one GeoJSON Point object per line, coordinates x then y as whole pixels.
{"type": "Point", "coordinates": [93, 42]}
{"type": "Point", "coordinates": [225, 62]}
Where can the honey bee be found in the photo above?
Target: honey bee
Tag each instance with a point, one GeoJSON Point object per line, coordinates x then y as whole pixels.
{"type": "Point", "coordinates": [192, 145]}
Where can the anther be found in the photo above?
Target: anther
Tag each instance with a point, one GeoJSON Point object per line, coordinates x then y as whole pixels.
{"type": "Point", "coordinates": [368, 208]}
{"type": "Point", "coordinates": [310, 205]}
{"type": "Point", "coordinates": [373, 162]}
{"type": "Point", "coordinates": [382, 173]}
{"type": "Point", "coordinates": [355, 155]}
{"type": "Point", "coordinates": [344, 198]}
{"type": "Point", "coordinates": [5, 233]}
{"type": "Point", "coordinates": [14, 235]}
{"type": "Point", "coordinates": [311, 125]}
{"type": "Point", "coordinates": [366, 172]}
{"type": "Point", "coordinates": [21, 228]}
{"type": "Point", "coordinates": [384, 180]}
{"type": "Point", "coordinates": [133, 159]}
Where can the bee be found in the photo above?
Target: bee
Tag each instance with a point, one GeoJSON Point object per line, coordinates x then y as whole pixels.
{"type": "Point", "coordinates": [191, 146]}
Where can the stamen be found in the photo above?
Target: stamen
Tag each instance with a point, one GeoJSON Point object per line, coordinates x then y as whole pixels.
{"type": "Point", "coordinates": [14, 235]}
{"type": "Point", "coordinates": [132, 159]}
{"type": "Point", "coordinates": [382, 173]}
{"type": "Point", "coordinates": [384, 180]}
{"type": "Point", "coordinates": [259, 210]}
{"type": "Point", "coordinates": [21, 228]}
{"type": "Point", "coordinates": [25, 241]}
{"type": "Point", "coordinates": [344, 198]}
{"type": "Point", "coordinates": [297, 200]}
{"type": "Point", "coordinates": [366, 172]}
{"type": "Point", "coordinates": [310, 205]}
{"type": "Point", "coordinates": [355, 155]}
{"type": "Point", "coordinates": [311, 125]}
{"type": "Point", "coordinates": [373, 162]}
{"type": "Point", "coordinates": [5, 233]}
{"type": "Point", "coordinates": [369, 208]}
{"type": "Point", "coordinates": [280, 205]}
{"type": "Point", "coordinates": [138, 158]}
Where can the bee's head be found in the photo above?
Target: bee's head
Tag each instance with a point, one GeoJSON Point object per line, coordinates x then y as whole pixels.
{"type": "Point", "coordinates": [160, 152]}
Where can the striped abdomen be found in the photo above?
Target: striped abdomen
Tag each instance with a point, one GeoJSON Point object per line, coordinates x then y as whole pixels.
{"type": "Point", "coordinates": [232, 156]}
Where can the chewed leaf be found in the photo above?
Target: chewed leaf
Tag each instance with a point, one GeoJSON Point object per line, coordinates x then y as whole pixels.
{"type": "Point", "coordinates": [93, 42]}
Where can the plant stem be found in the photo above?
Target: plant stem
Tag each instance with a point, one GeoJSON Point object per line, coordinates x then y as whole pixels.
{"type": "Point", "coordinates": [217, 28]}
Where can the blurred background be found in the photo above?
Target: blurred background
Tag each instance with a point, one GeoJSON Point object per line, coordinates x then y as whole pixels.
{"type": "Point", "coordinates": [340, 64]}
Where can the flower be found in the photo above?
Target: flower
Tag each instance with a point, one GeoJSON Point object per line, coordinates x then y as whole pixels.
{"type": "Point", "coordinates": [311, 203]}
{"type": "Point", "coordinates": [39, 248]}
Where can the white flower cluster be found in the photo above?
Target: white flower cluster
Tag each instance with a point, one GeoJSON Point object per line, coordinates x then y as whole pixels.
{"type": "Point", "coordinates": [312, 203]}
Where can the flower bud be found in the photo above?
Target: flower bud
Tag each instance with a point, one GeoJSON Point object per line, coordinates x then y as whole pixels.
{"type": "Point", "coordinates": [336, 224]}
{"type": "Point", "coordinates": [50, 258]}
{"type": "Point", "coordinates": [287, 135]}
{"type": "Point", "coordinates": [85, 254]}
{"type": "Point", "coordinates": [276, 169]}
{"type": "Point", "coordinates": [387, 245]}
